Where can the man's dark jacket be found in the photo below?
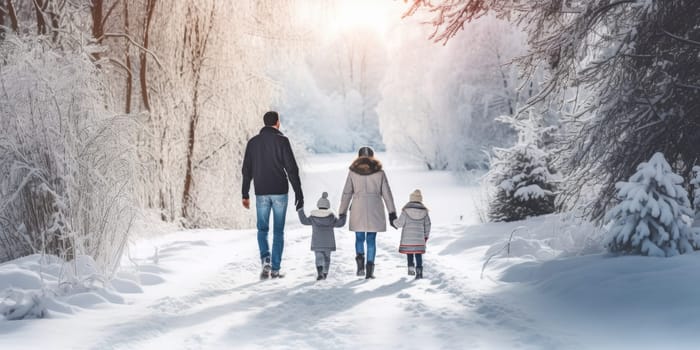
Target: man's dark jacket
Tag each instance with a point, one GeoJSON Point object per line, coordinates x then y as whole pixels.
{"type": "Point", "coordinates": [269, 161]}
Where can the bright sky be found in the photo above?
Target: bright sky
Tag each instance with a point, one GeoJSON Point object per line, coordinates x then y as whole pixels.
{"type": "Point", "coordinates": [345, 16]}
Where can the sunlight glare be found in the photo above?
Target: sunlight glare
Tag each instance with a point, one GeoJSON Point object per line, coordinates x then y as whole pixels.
{"type": "Point", "coordinates": [362, 14]}
{"type": "Point", "coordinates": [347, 16]}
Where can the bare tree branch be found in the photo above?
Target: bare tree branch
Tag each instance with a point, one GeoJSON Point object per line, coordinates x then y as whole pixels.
{"type": "Point", "coordinates": [133, 42]}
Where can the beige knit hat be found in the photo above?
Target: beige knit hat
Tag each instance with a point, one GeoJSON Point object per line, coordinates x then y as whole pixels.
{"type": "Point", "coordinates": [416, 196]}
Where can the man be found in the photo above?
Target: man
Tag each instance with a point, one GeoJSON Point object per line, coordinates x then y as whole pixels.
{"type": "Point", "coordinates": [269, 162]}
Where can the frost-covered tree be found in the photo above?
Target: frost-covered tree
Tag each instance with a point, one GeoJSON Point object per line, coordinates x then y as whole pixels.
{"type": "Point", "coordinates": [331, 89]}
{"type": "Point", "coordinates": [67, 160]}
{"type": "Point", "coordinates": [652, 217]}
{"type": "Point", "coordinates": [624, 72]}
{"type": "Point", "coordinates": [695, 182]}
{"type": "Point", "coordinates": [111, 108]}
{"type": "Point", "coordinates": [525, 182]}
{"type": "Point", "coordinates": [443, 109]}
{"type": "Point", "coordinates": [200, 72]}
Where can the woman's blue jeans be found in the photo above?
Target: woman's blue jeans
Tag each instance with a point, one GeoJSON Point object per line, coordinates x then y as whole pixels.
{"type": "Point", "coordinates": [371, 238]}
{"type": "Point", "coordinates": [277, 203]}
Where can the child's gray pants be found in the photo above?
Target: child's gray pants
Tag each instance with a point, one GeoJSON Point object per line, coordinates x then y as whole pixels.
{"type": "Point", "coordinates": [323, 258]}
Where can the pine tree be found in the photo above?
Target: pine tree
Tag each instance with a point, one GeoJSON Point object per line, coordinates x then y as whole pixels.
{"type": "Point", "coordinates": [524, 179]}
{"type": "Point", "coordinates": [652, 217]}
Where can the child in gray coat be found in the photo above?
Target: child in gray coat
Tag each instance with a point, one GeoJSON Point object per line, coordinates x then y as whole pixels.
{"type": "Point", "coordinates": [322, 222]}
{"type": "Point", "coordinates": [416, 229]}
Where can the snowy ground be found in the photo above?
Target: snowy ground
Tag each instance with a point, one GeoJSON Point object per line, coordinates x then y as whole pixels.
{"type": "Point", "coordinates": [201, 289]}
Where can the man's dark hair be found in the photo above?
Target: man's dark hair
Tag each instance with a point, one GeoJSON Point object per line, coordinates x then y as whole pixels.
{"type": "Point", "coordinates": [365, 151]}
{"type": "Point", "coordinates": [270, 118]}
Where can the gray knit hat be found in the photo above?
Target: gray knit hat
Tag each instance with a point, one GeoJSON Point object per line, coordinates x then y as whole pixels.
{"type": "Point", "coordinates": [324, 203]}
{"type": "Point", "coordinates": [416, 196]}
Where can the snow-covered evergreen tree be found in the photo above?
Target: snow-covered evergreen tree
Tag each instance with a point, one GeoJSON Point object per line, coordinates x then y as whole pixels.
{"type": "Point", "coordinates": [653, 215]}
{"type": "Point", "coordinates": [524, 179]}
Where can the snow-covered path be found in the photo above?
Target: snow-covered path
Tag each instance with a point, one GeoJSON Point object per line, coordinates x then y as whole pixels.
{"type": "Point", "coordinates": [211, 297]}
{"type": "Point", "coordinates": [200, 288]}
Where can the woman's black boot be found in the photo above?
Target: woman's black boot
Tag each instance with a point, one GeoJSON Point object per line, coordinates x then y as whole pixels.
{"type": "Point", "coordinates": [369, 271]}
{"type": "Point", "coordinates": [360, 260]}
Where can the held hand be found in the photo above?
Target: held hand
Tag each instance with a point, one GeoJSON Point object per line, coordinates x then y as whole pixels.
{"type": "Point", "coordinates": [392, 217]}
{"type": "Point", "coordinates": [299, 203]}
{"type": "Point", "coordinates": [246, 203]}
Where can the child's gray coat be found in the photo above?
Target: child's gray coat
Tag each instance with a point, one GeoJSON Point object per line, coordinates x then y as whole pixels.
{"type": "Point", "coordinates": [322, 222]}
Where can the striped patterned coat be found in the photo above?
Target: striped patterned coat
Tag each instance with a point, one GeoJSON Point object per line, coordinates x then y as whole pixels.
{"type": "Point", "coordinates": [415, 222]}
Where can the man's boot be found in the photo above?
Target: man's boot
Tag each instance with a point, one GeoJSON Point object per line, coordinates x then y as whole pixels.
{"type": "Point", "coordinates": [319, 269]}
{"type": "Point", "coordinates": [360, 260]}
{"type": "Point", "coordinates": [266, 267]}
{"type": "Point", "coordinates": [369, 271]}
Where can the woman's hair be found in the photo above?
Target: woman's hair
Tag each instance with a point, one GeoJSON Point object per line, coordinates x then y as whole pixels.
{"type": "Point", "coordinates": [365, 151]}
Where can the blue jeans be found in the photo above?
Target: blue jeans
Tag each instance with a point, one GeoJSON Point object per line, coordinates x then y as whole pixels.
{"type": "Point", "coordinates": [277, 203]}
{"type": "Point", "coordinates": [371, 244]}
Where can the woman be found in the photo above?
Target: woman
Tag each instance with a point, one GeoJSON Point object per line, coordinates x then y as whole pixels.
{"type": "Point", "coordinates": [366, 187]}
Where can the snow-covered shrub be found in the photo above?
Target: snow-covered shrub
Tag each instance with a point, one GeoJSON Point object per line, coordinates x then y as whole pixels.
{"type": "Point", "coordinates": [524, 179]}
{"type": "Point", "coordinates": [65, 158]}
{"type": "Point", "coordinates": [653, 215]}
{"type": "Point", "coordinates": [20, 305]}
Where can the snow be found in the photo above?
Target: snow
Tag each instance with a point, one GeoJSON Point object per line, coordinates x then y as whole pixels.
{"type": "Point", "coordinates": [552, 289]}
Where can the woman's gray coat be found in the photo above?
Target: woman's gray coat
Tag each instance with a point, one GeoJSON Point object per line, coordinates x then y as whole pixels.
{"type": "Point", "coordinates": [365, 194]}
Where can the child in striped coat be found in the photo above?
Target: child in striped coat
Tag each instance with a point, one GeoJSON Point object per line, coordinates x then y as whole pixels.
{"type": "Point", "coordinates": [416, 229]}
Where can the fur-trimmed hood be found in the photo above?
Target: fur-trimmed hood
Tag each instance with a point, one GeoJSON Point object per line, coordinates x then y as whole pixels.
{"type": "Point", "coordinates": [321, 213]}
{"type": "Point", "coordinates": [366, 166]}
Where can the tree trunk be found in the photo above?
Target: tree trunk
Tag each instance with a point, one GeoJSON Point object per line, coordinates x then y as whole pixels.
{"type": "Point", "coordinates": [54, 26]}
{"type": "Point", "coordinates": [97, 23]}
{"type": "Point", "coordinates": [2, 25]}
{"type": "Point", "coordinates": [39, 7]}
{"type": "Point", "coordinates": [13, 16]}
{"type": "Point", "coordinates": [161, 172]}
{"type": "Point", "coordinates": [199, 49]}
{"type": "Point", "coordinates": [150, 8]}
{"type": "Point", "coordinates": [127, 62]}
{"type": "Point", "coordinates": [187, 191]}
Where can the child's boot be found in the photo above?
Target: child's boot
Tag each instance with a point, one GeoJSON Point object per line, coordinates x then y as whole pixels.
{"type": "Point", "coordinates": [411, 270]}
{"type": "Point", "coordinates": [319, 269]}
{"type": "Point", "coordinates": [419, 272]}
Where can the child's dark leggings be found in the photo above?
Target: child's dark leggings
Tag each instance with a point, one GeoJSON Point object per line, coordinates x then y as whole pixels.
{"type": "Point", "coordinates": [419, 259]}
